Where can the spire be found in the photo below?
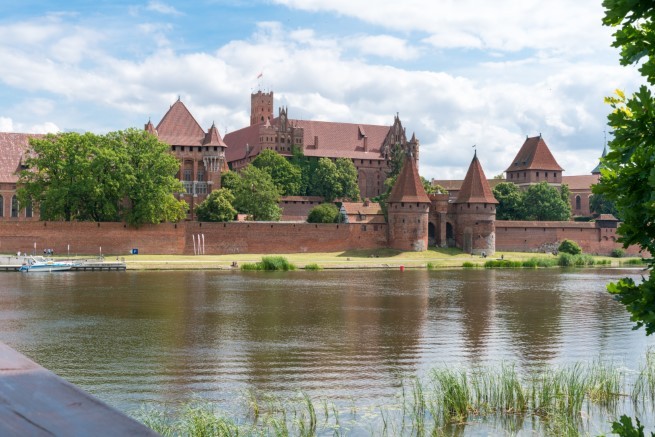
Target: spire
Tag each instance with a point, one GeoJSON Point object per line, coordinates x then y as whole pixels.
{"type": "Point", "coordinates": [150, 128]}
{"type": "Point", "coordinates": [213, 138]}
{"type": "Point", "coordinates": [475, 188]}
{"type": "Point", "coordinates": [408, 186]}
{"type": "Point", "coordinates": [598, 168]}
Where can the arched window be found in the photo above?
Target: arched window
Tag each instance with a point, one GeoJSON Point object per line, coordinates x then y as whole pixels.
{"type": "Point", "coordinates": [28, 210]}
{"type": "Point", "coordinates": [578, 203]}
{"type": "Point", "coordinates": [2, 206]}
{"type": "Point", "coordinates": [14, 206]}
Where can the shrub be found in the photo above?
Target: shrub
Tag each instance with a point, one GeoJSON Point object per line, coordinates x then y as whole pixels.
{"type": "Point", "coordinates": [313, 266]}
{"type": "Point", "coordinates": [618, 253]}
{"type": "Point", "coordinates": [502, 263]}
{"type": "Point", "coordinates": [568, 246]}
{"type": "Point", "coordinates": [270, 263]}
{"type": "Point", "coordinates": [468, 265]}
{"type": "Point", "coordinates": [323, 213]}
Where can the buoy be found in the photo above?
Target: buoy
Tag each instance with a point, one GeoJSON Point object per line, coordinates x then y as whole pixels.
{"type": "Point", "coordinates": [402, 268]}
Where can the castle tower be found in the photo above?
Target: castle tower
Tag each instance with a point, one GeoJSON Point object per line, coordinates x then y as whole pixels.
{"type": "Point", "coordinates": [534, 164]}
{"type": "Point", "coordinates": [213, 157]}
{"type": "Point", "coordinates": [475, 212]}
{"type": "Point", "coordinates": [600, 165]}
{"type": "Point", "coordinates": [407, 210]}
{"type": "Point", "coordinates": [261, 107]}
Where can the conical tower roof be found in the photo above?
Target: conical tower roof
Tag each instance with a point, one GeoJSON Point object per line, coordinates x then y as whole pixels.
{"type": "Point", "coordinates": [408, 186]}
{"type": "Point", "coordinates": [596, 170]}
{"type": "Point", "coordinates": [475, 188]}
{"type": "Point", "coordinates": [178, 127]}
{"type": "Point", "coordinates": [213, 138]}
{"type": "Point", "coordinates": [150, 128]}
{"type": "Point", "coordinates": [534, 155]}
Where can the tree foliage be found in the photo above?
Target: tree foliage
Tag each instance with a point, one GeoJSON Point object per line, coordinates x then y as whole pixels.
{"type": "Point", "coordinates": [510, 201]}
{"type": "Point", "coordinates": [347, 177]}
{"type": "Point", "coordinates": [569, 246]}
{"type": "Point", "coordinates": [544, 202]}
{"type": "Point", "coordinates": [324, 213]}
{"type": "Point", "coordinates": [286, 176]}
{"type": "Point", "coordinates": [256, 195]}
{"type": "Point", "coordinates": [600, 204]}
{"type": "Point", "coordinates": [326, 181]}
{"type": "Point", "coordinates": [538, 202]}
{"type": "Point", "coordinates": [126, 175]}
{"type": "Point", "coordinates": [628, 173]}
{"type": "Point", "coordinates": [217, 207]}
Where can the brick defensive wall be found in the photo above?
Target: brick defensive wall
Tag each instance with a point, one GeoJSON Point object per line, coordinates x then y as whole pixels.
{"type": "Point", "coordinates": [86, 238]}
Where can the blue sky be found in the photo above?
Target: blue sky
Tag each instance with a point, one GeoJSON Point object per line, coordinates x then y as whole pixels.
{"type": "Point", "coordinates": [458, 72]}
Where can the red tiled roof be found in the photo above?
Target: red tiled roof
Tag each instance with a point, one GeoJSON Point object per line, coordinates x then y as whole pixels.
{"type": "Point", "coordinates": [359, 208]}
{"type": "Point", "coordinates": [179, 128]}
{"type": "Point", "coordinates": [456, 184]}
{"type": "Point", "coordinates": [335, 140]}
{"type": "Point", "coordinates": [475, 188]}
{"type": "Point", "coordinates": [237, 141]}
{"type": "Point", "coordinates": [580, 182]}
{"type": "Point", "coordinates": [13, 146]}
{"type": "Point", "coordinates": [534, 155]}
{"type": "Point", "coordinates": [342, 140]}
{"type": "Point", "coordinates": [607, 217]}
{"type": "Point", "coordinates": [408, 186]}
{"type": "Point", "coordinates": [301, 199]}
{"type": "Point", "coordinates": [213, 138]}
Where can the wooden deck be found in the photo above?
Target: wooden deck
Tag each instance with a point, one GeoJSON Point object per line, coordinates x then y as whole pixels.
{"type": "Point", "coordinates": [35, 402]}
{"type": "Point", "coordinates": [87, 265]}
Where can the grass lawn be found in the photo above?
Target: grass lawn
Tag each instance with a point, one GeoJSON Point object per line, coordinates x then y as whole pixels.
{"type": "Point", "coordinates": [355, 259]}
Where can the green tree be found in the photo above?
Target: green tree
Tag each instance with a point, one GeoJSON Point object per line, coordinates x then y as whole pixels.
{"type": "Point", "coordinates": [510, 201]}
{"type": "Point", "coordinates": [569, 246]}
{"type": "Point", "coordinates": [149, 179]}
{"type": "Point", "coordinates": [324, 213]}
{"type": "Point", "coordinates": [257, 195]}
{"type": "Point", "coordinates": [628, 174]}
{"type": "Point", "coordinates": [544, 202]}
{"type": "Point", "coordinates": [286, 176]}
{"type": "Point", "coordinates": [600, 204]}
{"type": "Point", "coordinates": [307, 168]}
{"type": "Point", "coordinates": [326, 181]}
{"type": "Point", "coordinates": [217, 207]}
{"type": "Point", "coordinates": [347, 176]}
{"type": "Point", "coordinates": [229, 180]}
{"type": "Point", "coordinates": [122, 175]}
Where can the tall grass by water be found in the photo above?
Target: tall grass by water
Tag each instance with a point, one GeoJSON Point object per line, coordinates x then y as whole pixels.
{"type": "Point", "coordinates": [555, 401]}
{"type": "Point", "coordinates": [270, 263]}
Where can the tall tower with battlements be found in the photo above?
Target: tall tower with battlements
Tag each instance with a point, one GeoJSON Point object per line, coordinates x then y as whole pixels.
{"type": "Point", "coordinates": [261, 107]}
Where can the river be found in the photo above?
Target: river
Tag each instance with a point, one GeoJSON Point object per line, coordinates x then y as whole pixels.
{"type": "Point", "coordinates": [151, 338]}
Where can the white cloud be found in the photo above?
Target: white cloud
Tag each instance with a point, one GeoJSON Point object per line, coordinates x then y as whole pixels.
{"type": "Point", "coordinates": [6, 124]}
{"type": "Point", "coordinates": [491, 104]}
{"type": "Point", "coordinates": [384, 46]}
{"type": "Point", "coordinates": [162, 8]}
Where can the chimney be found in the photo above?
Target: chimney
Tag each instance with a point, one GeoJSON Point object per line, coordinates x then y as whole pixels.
{"type": "Point", "coordinates": [316, 141]}
{"type": "Point", "coordinates": [365, 144]}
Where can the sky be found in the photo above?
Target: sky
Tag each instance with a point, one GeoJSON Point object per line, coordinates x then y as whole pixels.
{"type": "Point", "coordinates": [459, 73]}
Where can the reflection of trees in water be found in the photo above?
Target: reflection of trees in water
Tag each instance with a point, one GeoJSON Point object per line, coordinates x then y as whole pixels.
{"type": "Point", "coordinates": [530, 306]}
{"type": "Point", "coordinates": [477, 302]}
{"type": "Point", "coordinates": [322, 326]}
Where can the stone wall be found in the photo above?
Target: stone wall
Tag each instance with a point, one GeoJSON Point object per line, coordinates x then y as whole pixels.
{"type": "Point", "coordinates": [176, 239]}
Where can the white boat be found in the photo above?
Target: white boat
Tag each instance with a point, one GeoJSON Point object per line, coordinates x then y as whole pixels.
{"type": "Point", "coordinates": [40, 264]}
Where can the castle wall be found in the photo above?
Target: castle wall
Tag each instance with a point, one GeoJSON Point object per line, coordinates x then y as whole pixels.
{"type": "Point", "coordinates": [519, 236]}
{"type": "Point", "coordinates": [87, 238]}
{"type": "Point", "coordinates": [408, 226]}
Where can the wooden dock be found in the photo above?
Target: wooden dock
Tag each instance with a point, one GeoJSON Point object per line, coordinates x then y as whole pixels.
{"type": "Point", "coordinates": [93, 266]}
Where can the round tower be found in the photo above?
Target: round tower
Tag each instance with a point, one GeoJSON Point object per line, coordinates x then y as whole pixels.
{"type": "Point", "coordinates": [475, 212]}
{"type": "Point", "coordinates": [408, 210]}
{"type": "Point", "coordinates": [261, 107]}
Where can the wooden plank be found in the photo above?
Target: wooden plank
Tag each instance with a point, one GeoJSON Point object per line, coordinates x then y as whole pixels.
{"type": "Point", "coordinates": [35, 401]}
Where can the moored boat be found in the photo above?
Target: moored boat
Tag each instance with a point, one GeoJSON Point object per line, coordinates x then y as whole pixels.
{"type": "Point", "coordinates": [40, 264]}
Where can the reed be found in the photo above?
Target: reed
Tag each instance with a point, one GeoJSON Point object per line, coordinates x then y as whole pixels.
{"type": "Point", "coordinates": [502, 263]}
{"type": "Point", "coordinates": [468, 265]}
{"type": "Point", "coordinates": [270, 263]}
{"type": "Point", "coordinates": [644, 388]}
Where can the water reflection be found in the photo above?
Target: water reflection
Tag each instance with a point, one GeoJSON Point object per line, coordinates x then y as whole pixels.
{"type": "Point", "coordinates": [168, 336]}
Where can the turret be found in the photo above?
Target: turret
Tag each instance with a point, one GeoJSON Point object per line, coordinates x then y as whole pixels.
{"type": "Point", "coordinates": [475, 209]}
{"type": "Point", "coordinates": [407, 210]}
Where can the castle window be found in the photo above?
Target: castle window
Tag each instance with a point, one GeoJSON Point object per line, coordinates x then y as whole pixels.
{"type": "Point", "coordinates": [173, 148]}
{"type": "Point", "coordinates": [28, 210]}
{"type": "Point", "coordinates": [14, 206]}
{"type": "Point", "coordinates": [2, 207]}
{"type": "Point", "coordinates": [402, 204]}
{"type": "Point", "coordinates": [578, 202]}
{"type": "Point", "coordinates": [537, 174]}
{"type": "Point", "coordinates": [182, 148]}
